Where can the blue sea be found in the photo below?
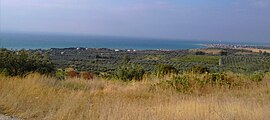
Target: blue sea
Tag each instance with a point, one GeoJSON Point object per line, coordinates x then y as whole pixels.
{"type": "Point", "coordinates": [46, 41]}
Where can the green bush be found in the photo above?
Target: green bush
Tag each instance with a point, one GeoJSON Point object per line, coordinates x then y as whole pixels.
{"type": "Point", "coordinates": [199, 69]}
{"type": "Point", "coordinates": [257, 76]}
{"type": "Point", "coordinates": [22, 62]}
{"type": "Point", "coordinates": [162, 70]}
{"type": "Point", "coordinates": [60, 74]}
{"type": "Point", "coordinates": [129, 72]}
{"type": "Point", "coordinates": [200, 53]}
{"type": "Point", "coordinates": [178, 83]}
{"type": "Point", "coordinates": [221, 79]}
{"type": "Point", "coordinates": [200, 83]}
{"type": "Point", "coordinates": [215, 77]}
{"type": "Point", "coordinates": [181, 83]}
{"type": "Point", "coordinates": [4, 72]}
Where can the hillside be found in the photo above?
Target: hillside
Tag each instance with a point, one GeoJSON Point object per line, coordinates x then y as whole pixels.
{"type": "Point", "coordinates": [39, 97]}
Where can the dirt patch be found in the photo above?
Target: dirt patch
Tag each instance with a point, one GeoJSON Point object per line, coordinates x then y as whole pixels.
{"type": "Point", "coordinates": [3, 117]}
{"type": "Point", "coordinates": [257, 50]}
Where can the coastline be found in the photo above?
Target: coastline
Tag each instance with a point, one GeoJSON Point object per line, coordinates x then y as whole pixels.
{"type": "Point", "coordinates": [203, 45]}
{"type": "Point", "coordinates": [253, 48]}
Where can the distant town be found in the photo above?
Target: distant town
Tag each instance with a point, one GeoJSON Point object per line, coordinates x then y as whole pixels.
{"type": "Point", "coordinates": [234, 46]}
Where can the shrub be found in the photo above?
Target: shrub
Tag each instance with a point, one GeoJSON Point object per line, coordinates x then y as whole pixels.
{"type": "Point", "coordinates": [162, 70]}
{"type": "Point", "coordinates": [199, 53]}
{"type": "Point", "coordinates": [20, 63]}
{"type": "Point", "coordinates": [201, 83]}
{"type": "Point", "coordinates": [257, 76]}
{"type": "Point", "coordinates": [128, 73]}
{"type": "Point", "coordinates": [181, 83]}
{"type": "Point", "coordinates": [221, 79]}
{"type": "Point", "coordinates": [223, 53]}
{"type": "Point", "coordinates": [218, 77]}
{"type": "Point", "coordinates": [199, 69]}
{"type": "Point", "coordinates": [4, 72]}
{"type": "Point", "coordinates": [60, 74]}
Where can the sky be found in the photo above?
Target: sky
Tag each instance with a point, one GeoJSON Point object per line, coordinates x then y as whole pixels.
{"type": "Point", "coordinates": [226, 20]}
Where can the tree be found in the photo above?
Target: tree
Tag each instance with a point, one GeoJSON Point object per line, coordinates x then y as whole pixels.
{"type": "Point", "coordinates": [130, 72]}
{"type": "Point", "coordinates": [264, 53]}
{"type": "Point", "coordinates": [223, 53]}
{"type": "Point", "coordinates": [260, 52]}
{"type": "Point", "coordinates": [126, 59]}
{"type": "Point", "coordinates": [22, 62]}
{"type": "Point", "coordinates": [199, 53]}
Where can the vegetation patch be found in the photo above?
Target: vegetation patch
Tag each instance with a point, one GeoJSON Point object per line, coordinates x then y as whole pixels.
{"type": "Point", "coordinates": [129, 72]}
{"type": "Point", "coordinates": [20, 63]}
{"type": "Point", "coordinates": [198, 58]}
{"type": "Point", "coordinates": [199, 82]}
{"type": "Point", "coordinates": [154, 57]}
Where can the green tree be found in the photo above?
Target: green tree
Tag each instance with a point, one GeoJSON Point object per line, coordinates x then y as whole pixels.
{"type": "Point", "coordinates": [22, 62]}
{"type": "Point", "coordinates": [126, 59]}
{"type": "Point", "coordinates": [130, 72]}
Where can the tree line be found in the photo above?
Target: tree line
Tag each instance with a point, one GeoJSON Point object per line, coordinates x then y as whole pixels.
{"type": "Point", "coordinates": [23, 62]}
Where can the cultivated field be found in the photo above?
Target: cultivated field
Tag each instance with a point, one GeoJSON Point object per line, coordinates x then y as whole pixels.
{"type": "Point", "coordinates": [257, 50]}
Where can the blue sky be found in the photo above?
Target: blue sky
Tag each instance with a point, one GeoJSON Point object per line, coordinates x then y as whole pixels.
{"type": "Point", "coordinates": [228, 20]}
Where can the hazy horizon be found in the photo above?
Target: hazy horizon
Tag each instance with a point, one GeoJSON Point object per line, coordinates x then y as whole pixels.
{"type": "Point", "coordinates": [229, 21]}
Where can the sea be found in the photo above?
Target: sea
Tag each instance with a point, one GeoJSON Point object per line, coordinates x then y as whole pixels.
{"type": "Point", "coordinates": [47, 41]}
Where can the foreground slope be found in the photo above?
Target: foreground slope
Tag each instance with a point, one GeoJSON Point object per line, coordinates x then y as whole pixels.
{"type": "Point", "coordinates": [39, 97]}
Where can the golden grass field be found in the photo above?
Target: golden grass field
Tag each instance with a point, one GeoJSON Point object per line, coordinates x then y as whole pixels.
{"type": "Point", "coordinates": [37, 97]}
{"type": "Point", "coordinates": [256, 50]}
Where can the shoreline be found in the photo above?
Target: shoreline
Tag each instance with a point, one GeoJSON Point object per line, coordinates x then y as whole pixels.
{"type": "Point", "coordinates": [254, 48]}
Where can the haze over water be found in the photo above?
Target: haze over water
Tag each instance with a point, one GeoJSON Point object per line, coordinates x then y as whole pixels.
{"type": "Point", "coordinates": [46, 41]}
{"type": "Point", "coordinates": [226, 20]}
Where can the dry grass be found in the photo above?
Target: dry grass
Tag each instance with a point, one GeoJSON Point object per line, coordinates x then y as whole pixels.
{"type": "Point", "coordinates": [256, 50]}
{"type": "Point", "coordinates": [38, 97]}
